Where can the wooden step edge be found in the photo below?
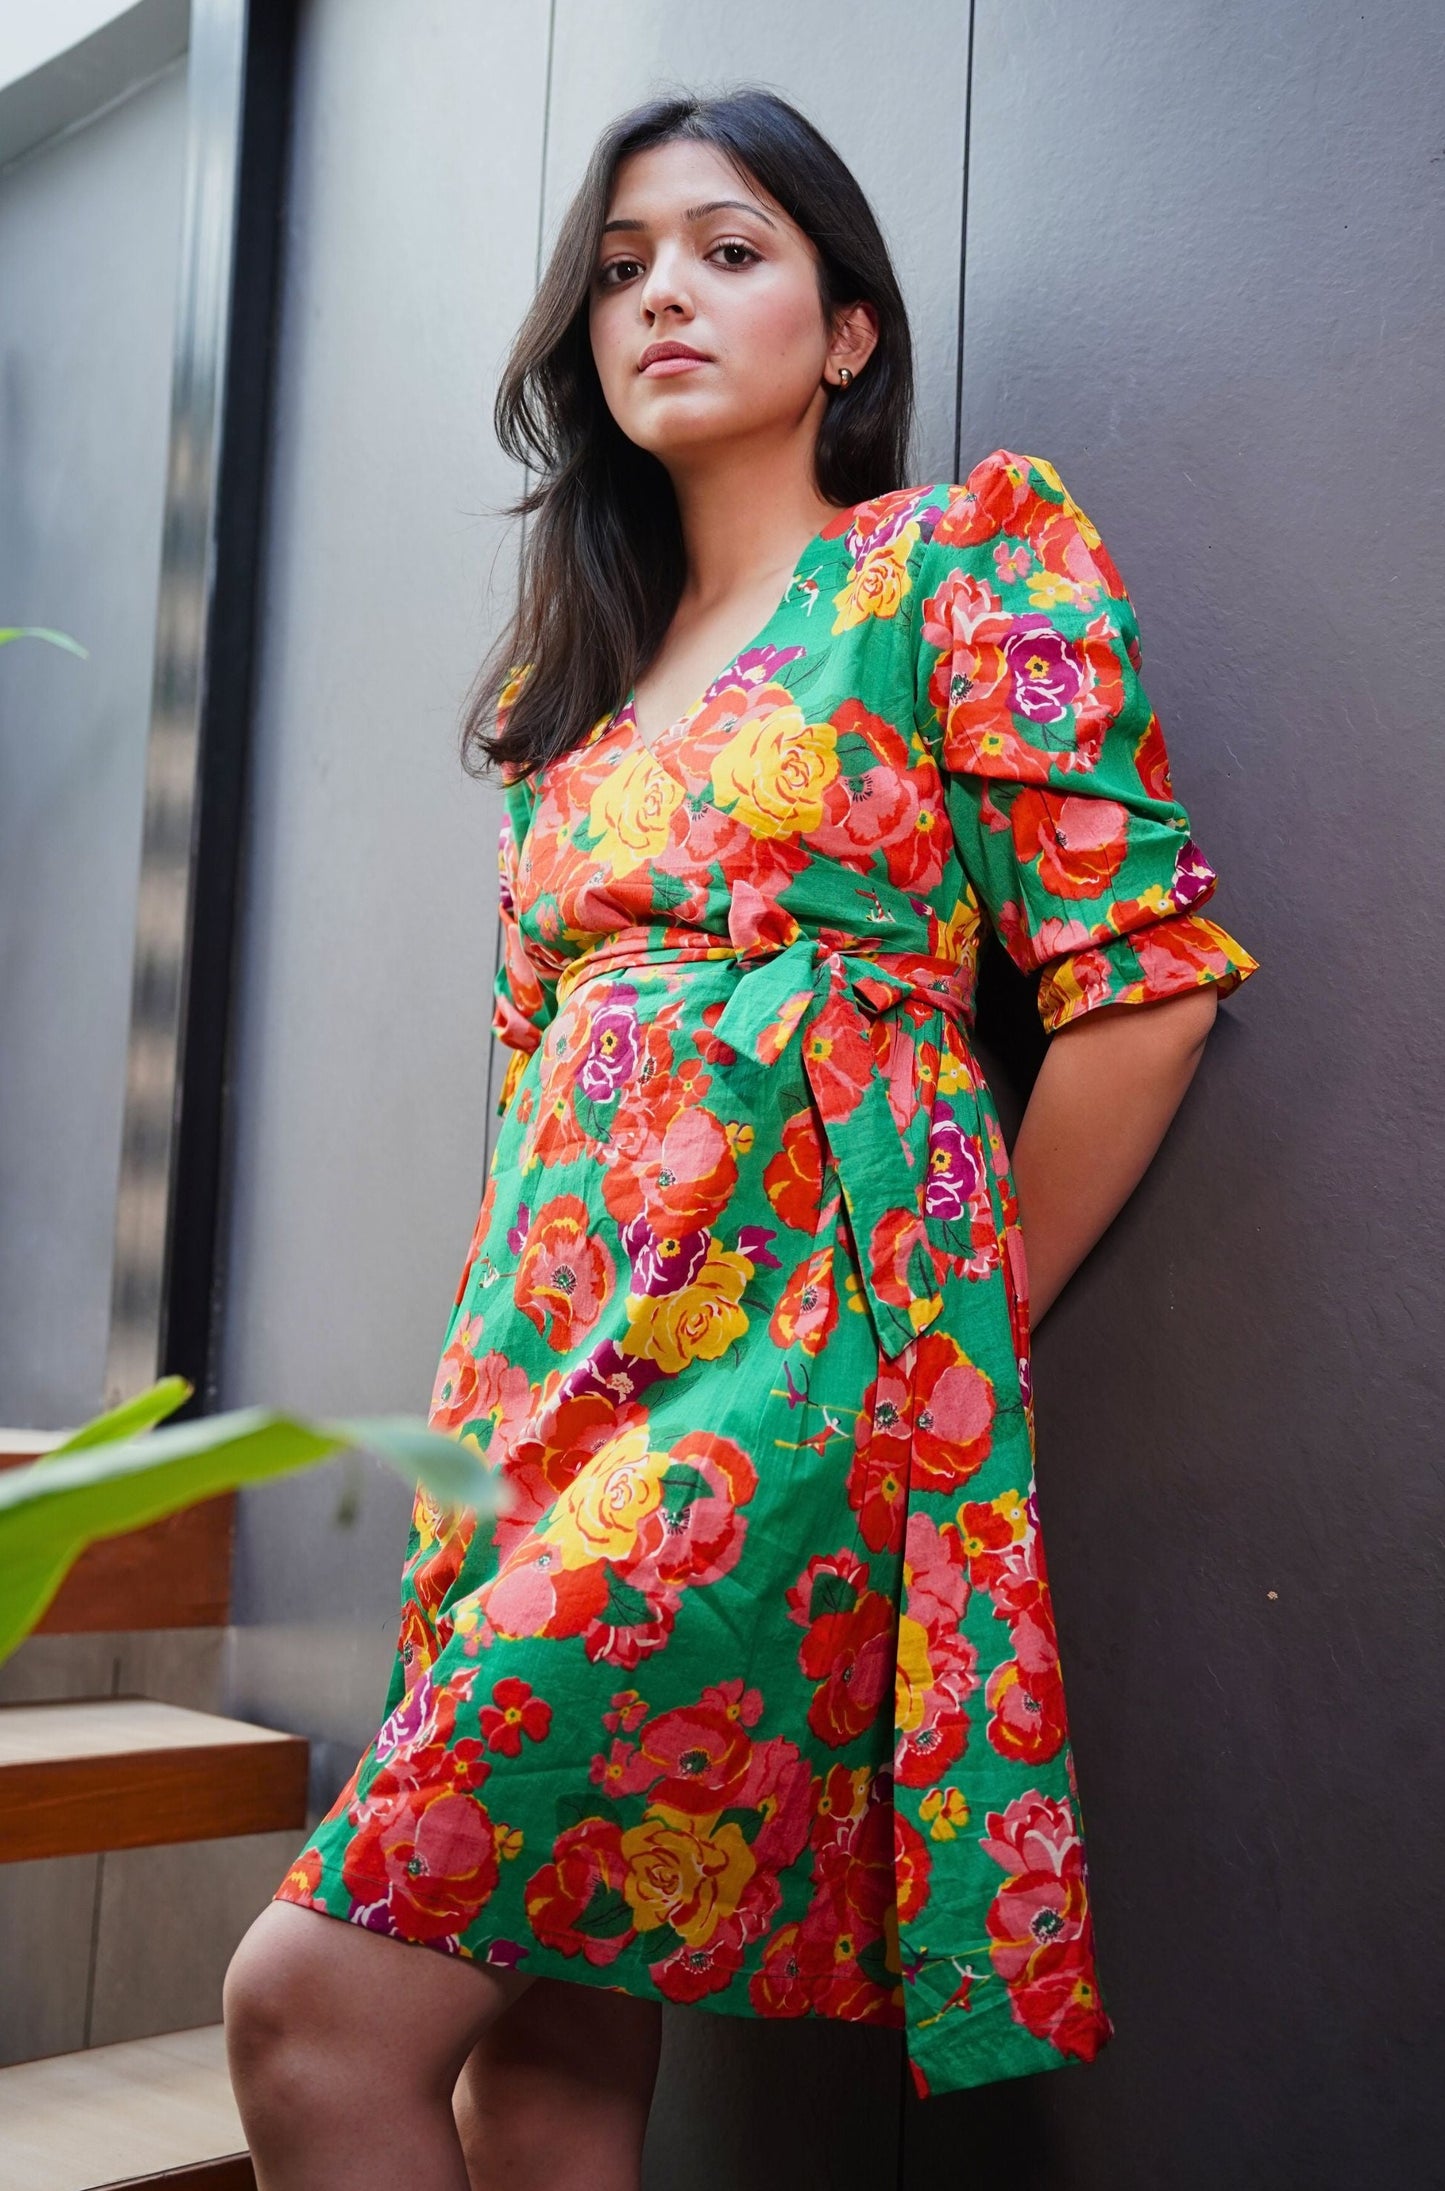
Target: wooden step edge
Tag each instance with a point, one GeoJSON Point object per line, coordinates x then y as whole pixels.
{"type": "Point", "coordinates": [234, 2173]}
{"type": "Point", "coordinates": [128, 1773]}
{"type": "Point", "coordinates": [113, 2118]}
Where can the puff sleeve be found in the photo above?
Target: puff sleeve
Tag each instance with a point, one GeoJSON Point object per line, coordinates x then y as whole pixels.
{"type": "Point", "coordinates": [524, 998]}
{"type": "Point", "coordinates": [1056, 774]}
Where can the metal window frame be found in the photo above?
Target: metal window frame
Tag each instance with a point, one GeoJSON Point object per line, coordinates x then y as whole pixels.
{"type": "Point", "coordinates": [165, 1281]}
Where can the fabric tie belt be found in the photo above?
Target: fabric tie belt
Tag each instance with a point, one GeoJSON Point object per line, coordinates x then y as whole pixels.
{"type": "Point", "coordinates": [824, 997]}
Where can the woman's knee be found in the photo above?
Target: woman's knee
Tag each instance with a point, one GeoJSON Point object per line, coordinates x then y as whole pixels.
{"type": "Point", "coordinates": [274, 1998]}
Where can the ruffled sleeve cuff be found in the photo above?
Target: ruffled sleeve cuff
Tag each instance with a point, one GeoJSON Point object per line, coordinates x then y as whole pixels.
{"type": "Point", "coordinates": [1184, 951]}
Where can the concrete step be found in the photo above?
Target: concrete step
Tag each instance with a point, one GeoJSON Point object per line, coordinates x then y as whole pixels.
{"type": "Point", "coordinates": [154, 2112]}
{"type": "Point", "coordinates": [127, 1773]}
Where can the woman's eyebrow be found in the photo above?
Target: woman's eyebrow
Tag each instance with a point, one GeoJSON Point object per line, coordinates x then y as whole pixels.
{"type": "Point", "coordinates": [697, 213]}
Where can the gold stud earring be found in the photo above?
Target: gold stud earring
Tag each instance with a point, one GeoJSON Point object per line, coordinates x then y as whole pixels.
{"type": "Point", "coordinates": [844, 376]}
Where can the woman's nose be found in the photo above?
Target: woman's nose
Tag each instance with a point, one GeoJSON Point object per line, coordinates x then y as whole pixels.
{"type": "Point", "coordinates": [665, 288]}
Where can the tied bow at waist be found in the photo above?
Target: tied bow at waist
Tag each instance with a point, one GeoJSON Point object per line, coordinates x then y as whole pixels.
{"type": "Point", "coordinates": [823, 998]}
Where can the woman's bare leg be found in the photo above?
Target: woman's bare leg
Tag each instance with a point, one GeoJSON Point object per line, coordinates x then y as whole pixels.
{"type": "Point", "coordinates": [345, 2048]}
{"type": "Point", "coordinates": [554, 2096]}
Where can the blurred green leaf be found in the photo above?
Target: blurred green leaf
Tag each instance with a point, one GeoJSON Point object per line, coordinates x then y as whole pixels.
{"type": "Point", "coordinates": [142, 1413]}
{"type": "Point", "coordinates": [39, 631]}
{"type": "Point", "coordinates": [105, 1481]}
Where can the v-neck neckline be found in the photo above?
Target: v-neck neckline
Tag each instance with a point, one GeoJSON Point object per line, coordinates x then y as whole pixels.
{"type": "Point", "coordinates": [824, 541]}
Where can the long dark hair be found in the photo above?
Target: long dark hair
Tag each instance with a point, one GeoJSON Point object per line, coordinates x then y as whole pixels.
{"type": "Point", "coordinates": [603, 562]}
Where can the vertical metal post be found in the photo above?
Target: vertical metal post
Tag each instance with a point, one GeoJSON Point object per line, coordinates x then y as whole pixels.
{"type": "Point", "coordinates": [167, 1210]}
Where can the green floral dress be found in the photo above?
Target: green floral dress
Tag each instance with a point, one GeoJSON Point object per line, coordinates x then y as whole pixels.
{"type": "Point", "coordinates": [751, 1697]}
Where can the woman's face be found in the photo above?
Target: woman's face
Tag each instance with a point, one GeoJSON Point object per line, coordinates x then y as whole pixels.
{"type": "Point", "coordinates": [693, 254]}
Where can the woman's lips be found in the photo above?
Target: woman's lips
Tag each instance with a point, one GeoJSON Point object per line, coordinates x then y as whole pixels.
{"type": "Point", "coordinates": [663, 367]}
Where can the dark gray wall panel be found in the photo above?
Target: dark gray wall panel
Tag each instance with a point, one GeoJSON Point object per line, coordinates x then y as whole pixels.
{"type": "Point", "coordinates": [1203, 278]}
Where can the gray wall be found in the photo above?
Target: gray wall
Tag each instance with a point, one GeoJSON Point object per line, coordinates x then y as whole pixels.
{"type": "Point", "coordinates": [89, 228]}
{"type": "Point", "coordinates": [1204, 277]}
{"type": "Point", "coordinates": [1199, 243]}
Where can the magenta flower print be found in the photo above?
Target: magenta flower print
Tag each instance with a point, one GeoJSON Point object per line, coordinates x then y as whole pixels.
{"type": "Point", "coordinates": [663, 1264]}
{"type": "Point", "coordinates": [1045, 675]}
{"type": "Point", "coordinates": [611, 1057]}
{"type": "Point", "coordinates": [955, 1166]}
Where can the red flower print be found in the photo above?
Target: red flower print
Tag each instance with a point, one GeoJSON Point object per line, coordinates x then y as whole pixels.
{"type": "Point", "coordinates": [848, 1646]}
{"type": "Point", "coordinates": [565, 1275]}
{"type": "Point", "coordinates": [793, 1179]}
{"type": "Point", "coordinates": [1040, 1926]}
{"type": "Point", "coordinates": [790, 1969]}
{"type": "Point", "coordinates": [900, 1260]}
{"type": "Point", "coordinates": [628, 1711]}
{"type": "Point", "coordinates": [881, 804]}
{"type": "Point", "coordinates": [480, 1230]}
{"type": "Point", "coordinates": [416, 1641]}
{"type": "Point", "coordinates": [912, 1865]}
{"type": "Point", "coordinates": [953, 1414]}
{"type": "Point", "coordinates": [808, 1309]}
{"type": "Point", "coordinates": [770, 1798]}
{"type": "Point", "coordinates": [456, 1394]}
{"type": "Point", "coordinates": [439, 1564]}
{"type": "Point", "coordinates": [1151, 758]}
{"type": "Point", "coordinates": [303, 1879]}
{"type": "Point", "coordinates": [830, 1582]}
{"type": "Point", "coordinates": [684, 1177]}
{"type": "Point", "coordinates": [878, 1488]}
{"type": "Point", "coordinates": [423, 1861]}
{"type": "Point", "coordinates": [1025, 1693]}
{"type": "Point", "coordinates": [534, 1593]}
{"type": "Point", "coordinates": [936, 1668]}
{"type": "Point", "coordinates": [1078, 843]}
{"type": "Point", "coordinates": [694, 1533]}
{"type": "Point", "coordinates": [697, 1968]}
{"type": "Point", "coordinates": [757, 921]}
{"type": "Point", "coordinates": [998, 503]}
{"type": "Point", "coordinates": [576, 1904]}
{"type": "Point", "coordinates": [878, 1480]}
{"type": "Point", "coordinates": [1172, 953]}
{"type": "Point", "coordinates": [694, 1760]}
{"type": "Point", "coordinates": [999, 1541]}
{"type": "Point", "coordinates": [839, 1060]}
{"type": "Point", "coordinates": [1028, 1722]}
{"type": "Point", "coordinates": [877, 519]}
{"type": "Point", "coordinates": [1069, 546]}
{"type": "Point", "coordinates": [483, 1394]}
{"type": "Point", "coordinates": [513, 1712]}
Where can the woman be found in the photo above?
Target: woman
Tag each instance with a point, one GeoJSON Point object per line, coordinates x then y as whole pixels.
{"type": "Point", "coordinates": [751, 1698]}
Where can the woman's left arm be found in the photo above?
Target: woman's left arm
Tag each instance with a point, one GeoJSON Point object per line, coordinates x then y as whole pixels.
{"type": "Point", "coordinates": [1072, 838]}
{"type": "Point", "coordinates": [1110, 1083]}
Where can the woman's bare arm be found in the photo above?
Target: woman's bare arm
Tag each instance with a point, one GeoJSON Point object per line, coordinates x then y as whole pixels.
{"type": "Point", "coordinates": [1110, 1083]}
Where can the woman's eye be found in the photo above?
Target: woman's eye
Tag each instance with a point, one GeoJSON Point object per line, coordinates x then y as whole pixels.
{"type": "Point", "coordinates": [621, 270]}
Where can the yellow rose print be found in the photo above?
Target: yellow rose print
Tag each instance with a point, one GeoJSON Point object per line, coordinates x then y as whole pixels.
{"type": "Point", "coordinates": [631, 813]}
{"type": "Point", "coordinates": [879, 583]}
{"type": "Point", "coordinates": [773, 773]}
{"type": "Point", "coordinates": [698, 1322]}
